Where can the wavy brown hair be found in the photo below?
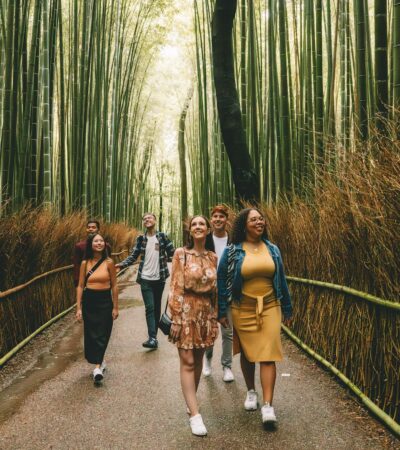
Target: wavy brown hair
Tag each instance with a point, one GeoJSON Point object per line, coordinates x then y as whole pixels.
{"type": "Point", "coordinates": [239, 226]}
{"type": "Point", "coordinates": [209, 240]}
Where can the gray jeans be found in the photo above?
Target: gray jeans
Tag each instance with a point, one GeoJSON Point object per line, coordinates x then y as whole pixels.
{"type": "Point", "coordinates": [227, 337]}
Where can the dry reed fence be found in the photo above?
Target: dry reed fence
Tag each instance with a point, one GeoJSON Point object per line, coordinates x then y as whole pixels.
{"type": "Point", "coordinates": [39, 242]}
{"type": "Point", "coordinates": [23, 312]}
{"type": "Point", "coordinates": [348, 234]}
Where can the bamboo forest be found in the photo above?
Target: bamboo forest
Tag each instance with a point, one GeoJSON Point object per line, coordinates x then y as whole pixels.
{"type": "Point", "coordinates": [114, 109]}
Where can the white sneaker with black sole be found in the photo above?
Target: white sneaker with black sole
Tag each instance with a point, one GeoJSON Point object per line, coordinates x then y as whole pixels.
{"type": "Point", "coordinates": [268, 414]}
{"type": "Point", "coordinates": [97, 375]}
{"type": "Point", "coordinates": [251, 402]}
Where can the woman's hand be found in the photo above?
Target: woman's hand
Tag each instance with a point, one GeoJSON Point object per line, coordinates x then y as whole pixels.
{"type": "Point", "coordinates": [224, 321]}
{"type": "Point", "coordinates": [78, 315]}
{"type": "Point", "coordinates": [115, 313]}
{"type": "Point", "coordinates": [175, 331]}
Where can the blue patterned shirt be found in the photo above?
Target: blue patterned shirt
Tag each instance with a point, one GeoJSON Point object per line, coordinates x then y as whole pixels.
{"type": "Point", "coordinates": [166, 251]}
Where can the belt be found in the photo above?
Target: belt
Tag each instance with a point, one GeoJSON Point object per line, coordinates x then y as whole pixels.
{"type": "Point", "coordinates": [259, 306]}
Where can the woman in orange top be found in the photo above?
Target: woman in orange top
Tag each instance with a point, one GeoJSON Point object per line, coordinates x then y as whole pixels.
{"type": "Point", "coordinates": [97, 302]}
{"type": "Point", "coordinates": [193, 308]}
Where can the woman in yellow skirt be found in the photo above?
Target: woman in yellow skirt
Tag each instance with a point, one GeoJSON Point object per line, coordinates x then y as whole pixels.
{"type": "Point", "coordinates": [251, 276]}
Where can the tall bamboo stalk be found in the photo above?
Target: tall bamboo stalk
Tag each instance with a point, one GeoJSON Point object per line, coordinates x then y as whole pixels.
{"type": "Point", "coordinates": [46, 140]}
{"type": "Point", "coordinates": [396, 53]}
{"type": "Point", "coordinates": [362, 106]}
{"type": "Point", "coordinates": [381, 59]}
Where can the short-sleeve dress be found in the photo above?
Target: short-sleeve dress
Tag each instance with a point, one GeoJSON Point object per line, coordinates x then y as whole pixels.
{"type": "Point", "coordinates": [192, 300]}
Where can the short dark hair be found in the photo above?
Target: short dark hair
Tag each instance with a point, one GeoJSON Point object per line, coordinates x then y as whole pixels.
{"type": "Point", "coordinates": [239, 226]}
{"type": "Point", "coordinates": [89, 248]}
{"type": "Point", "coordinates": [93, 221]}
{"type": "Point", "coordinates": [149, 213]}
{"type": "Point", "coordinates": [209, 240]}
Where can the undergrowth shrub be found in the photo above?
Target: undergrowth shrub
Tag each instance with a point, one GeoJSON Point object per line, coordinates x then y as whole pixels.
{"type": "Point", "coordinates": [35, 241]}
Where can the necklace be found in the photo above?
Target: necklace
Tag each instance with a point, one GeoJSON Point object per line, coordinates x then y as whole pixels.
{"type": "Point", "coordinates": [254, 247]}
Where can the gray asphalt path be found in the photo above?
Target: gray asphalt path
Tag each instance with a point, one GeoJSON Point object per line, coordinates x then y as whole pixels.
{"type": "Point", "coordinates": [140, 404]}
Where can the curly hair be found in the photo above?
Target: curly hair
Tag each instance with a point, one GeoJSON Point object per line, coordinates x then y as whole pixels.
{"type": "Point", "coordinates": [239, 226]}
{"type": "Point", "coordinates": [209, 245]}
{"type": "Point", "coordinates": [89, 247]}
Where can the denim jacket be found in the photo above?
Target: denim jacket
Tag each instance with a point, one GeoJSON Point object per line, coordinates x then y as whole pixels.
{"type": "Point", "coordinates": [279, 280]}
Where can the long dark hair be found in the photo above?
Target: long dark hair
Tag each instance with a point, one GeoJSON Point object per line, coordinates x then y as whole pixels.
{"type": "Point", "coordinates": [209, 245]}
{"type": "Point", "coordinates": [89, 247]}
{"type": "Point", "coordinates": [239, 226]}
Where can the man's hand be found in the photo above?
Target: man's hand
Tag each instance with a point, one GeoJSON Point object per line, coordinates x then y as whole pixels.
{"type": "Point", "coordinates": [224, 322]}
{"type": "Point", "coordinates": [117, 268]}
{"type": "Point", "coordinates": [115, 313]}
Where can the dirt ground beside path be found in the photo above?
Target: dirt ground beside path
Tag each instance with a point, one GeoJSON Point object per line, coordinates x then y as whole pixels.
{"type": "Point", "coordinates": [140, 405]}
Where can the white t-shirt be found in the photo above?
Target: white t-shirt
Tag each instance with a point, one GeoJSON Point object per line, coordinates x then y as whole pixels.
{"type": "Point", "coordinates": [151, 266]}
{"type": "Point", "coordinates": [220, 244]}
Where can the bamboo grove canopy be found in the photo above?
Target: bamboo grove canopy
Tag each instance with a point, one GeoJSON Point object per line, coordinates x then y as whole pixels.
{"type": "Point", "coordinates": [312, 78]}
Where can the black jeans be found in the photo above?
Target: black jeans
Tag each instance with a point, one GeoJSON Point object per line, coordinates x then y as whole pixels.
{"type": "Point", "coordinates": [152, 291]}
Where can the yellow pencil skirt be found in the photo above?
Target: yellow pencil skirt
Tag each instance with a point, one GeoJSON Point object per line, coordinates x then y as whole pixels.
{"type": "Point", "coordinates": [257, 329]}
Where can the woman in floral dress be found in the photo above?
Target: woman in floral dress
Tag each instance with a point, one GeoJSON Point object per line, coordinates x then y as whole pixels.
{"type": "Point", "coordinates": [193, 308]}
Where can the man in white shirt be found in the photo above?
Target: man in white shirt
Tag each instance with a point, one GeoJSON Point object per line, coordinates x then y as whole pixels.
{"type": "Point", "coordinates": [219, 220]}
{"type": "Point", "coordinates": [155, 249]}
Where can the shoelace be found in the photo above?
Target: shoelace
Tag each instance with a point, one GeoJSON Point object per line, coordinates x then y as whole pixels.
{"type": "Point", "coordinates": [252, 396]}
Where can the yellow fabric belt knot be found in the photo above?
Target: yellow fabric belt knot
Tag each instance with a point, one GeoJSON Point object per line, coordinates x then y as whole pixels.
{"type": "Point", "coordinates": [259, 306]}
{"type": "Point", "coordinates": [259, 310]}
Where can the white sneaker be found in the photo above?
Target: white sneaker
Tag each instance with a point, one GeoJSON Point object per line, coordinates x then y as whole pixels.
{"type": "Point", "coordinates": [97, 375]}
{"type": "Point", "coordinates": [228, 375]}
{"type": "Point", "coordinates": [207, 367]}
{"type": "Point", "coordinates": [197, 425]}
{"type": "Point", "coordinates": [103, 366]}
{"type": "Point", "coordinates": [250, 404]}
{"type": "Point", "coordinates": [268, 414]}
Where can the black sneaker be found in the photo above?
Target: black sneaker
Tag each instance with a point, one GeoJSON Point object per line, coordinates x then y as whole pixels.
{"type": "Point", "coordinates": [150, 343]}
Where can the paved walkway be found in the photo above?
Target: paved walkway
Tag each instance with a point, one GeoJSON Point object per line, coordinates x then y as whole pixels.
{"type": "Point", "coordinates": [49, 401]}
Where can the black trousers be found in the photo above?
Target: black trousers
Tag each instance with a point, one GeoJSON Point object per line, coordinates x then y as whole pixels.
{"type": "Point", "coordinates": [97, 309]}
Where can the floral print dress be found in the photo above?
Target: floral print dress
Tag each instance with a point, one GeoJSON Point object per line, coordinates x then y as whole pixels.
{"type": "Point", "coordinates": [192, 298]}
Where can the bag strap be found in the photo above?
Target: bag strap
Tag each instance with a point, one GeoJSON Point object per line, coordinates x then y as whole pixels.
{"type": "Point", "coordinates": [99, 262]}
{"type": "Point", "coordinates": [183, 267]}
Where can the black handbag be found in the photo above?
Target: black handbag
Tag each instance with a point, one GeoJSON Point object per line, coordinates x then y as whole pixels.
{"type": "Point", "coordinates": [165, 322]}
